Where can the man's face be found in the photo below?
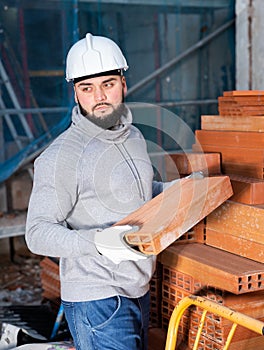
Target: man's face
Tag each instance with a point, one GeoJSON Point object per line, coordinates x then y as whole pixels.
{"type": "Point", "coordinates": [101, 98]}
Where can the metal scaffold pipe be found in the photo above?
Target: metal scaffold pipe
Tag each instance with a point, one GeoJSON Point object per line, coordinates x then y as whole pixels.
{"type": "Point", "coordinates": [177, 59]}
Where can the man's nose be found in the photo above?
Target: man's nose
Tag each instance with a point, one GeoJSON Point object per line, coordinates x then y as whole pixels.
{"type": "Point", "coordinates": [99, 95]}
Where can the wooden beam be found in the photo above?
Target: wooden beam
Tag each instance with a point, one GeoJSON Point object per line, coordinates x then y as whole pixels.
{"type": "Point", "coordinates": [176, 210]}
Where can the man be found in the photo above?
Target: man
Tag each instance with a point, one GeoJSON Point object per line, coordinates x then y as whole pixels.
{"type": "Point", "coordinates": [94, 174]}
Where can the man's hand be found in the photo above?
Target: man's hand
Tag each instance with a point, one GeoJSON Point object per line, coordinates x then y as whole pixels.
{"type": "Point", "coordinates": [111, 243]}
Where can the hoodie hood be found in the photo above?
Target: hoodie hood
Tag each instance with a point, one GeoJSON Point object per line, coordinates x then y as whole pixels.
{"type": "Point", "coordinates": [118, 135]}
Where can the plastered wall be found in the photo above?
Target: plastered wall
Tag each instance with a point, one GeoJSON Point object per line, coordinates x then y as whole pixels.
{"type": "Point", "coordinates": [249, 44]}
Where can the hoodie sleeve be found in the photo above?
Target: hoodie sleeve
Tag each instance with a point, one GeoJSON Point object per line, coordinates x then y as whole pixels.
{"type": "Point", "coordinates": [158, 186]}
{"type": "Point", "coordinates": [50, 203]}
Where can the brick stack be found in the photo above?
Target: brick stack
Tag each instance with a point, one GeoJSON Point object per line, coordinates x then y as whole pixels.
{"type": "Point", "coordinates": [237, 228]}
{"type": "Point", "coordinates": [183, 164]}
{"type": "Point", "coordinates": [155, 297]}
{"type": "Point", "coordinates": [199, 269]}
{"type": "Point", "coordinates": [228, 266]}
{"type": "Point", "coordinates": [50, 280]}
{"type": "Point", "coordinates": [237, 133]}
{"type": "Point", "coordinates": [237, 225]}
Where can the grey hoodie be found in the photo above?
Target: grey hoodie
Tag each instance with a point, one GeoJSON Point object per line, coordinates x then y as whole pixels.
{"type": "Point", "coordinates": [85, 181]}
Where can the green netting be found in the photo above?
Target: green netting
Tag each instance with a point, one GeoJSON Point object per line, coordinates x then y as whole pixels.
{"type": "Point", "coordinates": [181, 55]}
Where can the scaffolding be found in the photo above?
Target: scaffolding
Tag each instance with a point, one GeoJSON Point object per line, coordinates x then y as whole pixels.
{"type": "Point", "coordinates": [177, 64]}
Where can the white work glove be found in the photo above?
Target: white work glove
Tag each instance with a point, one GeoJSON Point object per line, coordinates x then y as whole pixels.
{"type": "Point", "coordinates": [195, 175]}
{"type": "Point", "coordinates": [111, 243]}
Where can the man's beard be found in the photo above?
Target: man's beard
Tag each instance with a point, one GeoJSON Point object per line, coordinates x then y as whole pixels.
{"type": "Point", "coordinates": [105, 121]}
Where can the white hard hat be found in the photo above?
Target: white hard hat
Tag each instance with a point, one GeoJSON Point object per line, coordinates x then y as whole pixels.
{"type": "Point", "coordinates": [93, 55]}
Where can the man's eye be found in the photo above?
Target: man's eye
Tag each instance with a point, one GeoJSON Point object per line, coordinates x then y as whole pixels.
{"type": "Point", "coordinates": [108, 85]}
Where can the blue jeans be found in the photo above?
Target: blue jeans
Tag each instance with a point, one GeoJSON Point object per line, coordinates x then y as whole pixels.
{"type": "Point", "coordinates": [115, 323]}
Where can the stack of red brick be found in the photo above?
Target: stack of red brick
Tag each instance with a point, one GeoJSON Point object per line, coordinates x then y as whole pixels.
{"type": "Point", "coordinates": [222, 257]}
{"type": "Point", "coordinates": [50, 280]}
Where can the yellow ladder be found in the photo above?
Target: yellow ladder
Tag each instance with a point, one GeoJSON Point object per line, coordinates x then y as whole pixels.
{"type": "Point", "coordinates": [207, 305]}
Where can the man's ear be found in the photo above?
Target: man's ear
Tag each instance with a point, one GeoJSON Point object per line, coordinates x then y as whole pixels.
{"type": "Point", "coordinates": [75, 95]}
{"type": "Point", "coordinates": [124, 84]}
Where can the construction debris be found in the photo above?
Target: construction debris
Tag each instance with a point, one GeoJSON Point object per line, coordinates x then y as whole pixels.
{"type": "Point", "coordinates": [23, 305]}
{"type": "Point", "coordinates": [20, 283]}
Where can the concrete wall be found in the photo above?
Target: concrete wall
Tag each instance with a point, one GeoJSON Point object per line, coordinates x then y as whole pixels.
{"type": "Point", "coordinates": [249, 45]}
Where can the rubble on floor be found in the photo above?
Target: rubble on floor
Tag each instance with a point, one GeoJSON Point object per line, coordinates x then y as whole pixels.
{"type": "Point", "coordinates": [20, 282]}
{"type": "Point", "coordinates": [22, 303]}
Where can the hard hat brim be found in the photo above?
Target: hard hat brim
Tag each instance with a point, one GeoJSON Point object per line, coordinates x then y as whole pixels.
{"type": "Point", "coordinates": [110, 72]}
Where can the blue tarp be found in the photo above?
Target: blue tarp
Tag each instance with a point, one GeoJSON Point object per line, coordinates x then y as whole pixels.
{"type": "Point", "coordinates": [11, 165]}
